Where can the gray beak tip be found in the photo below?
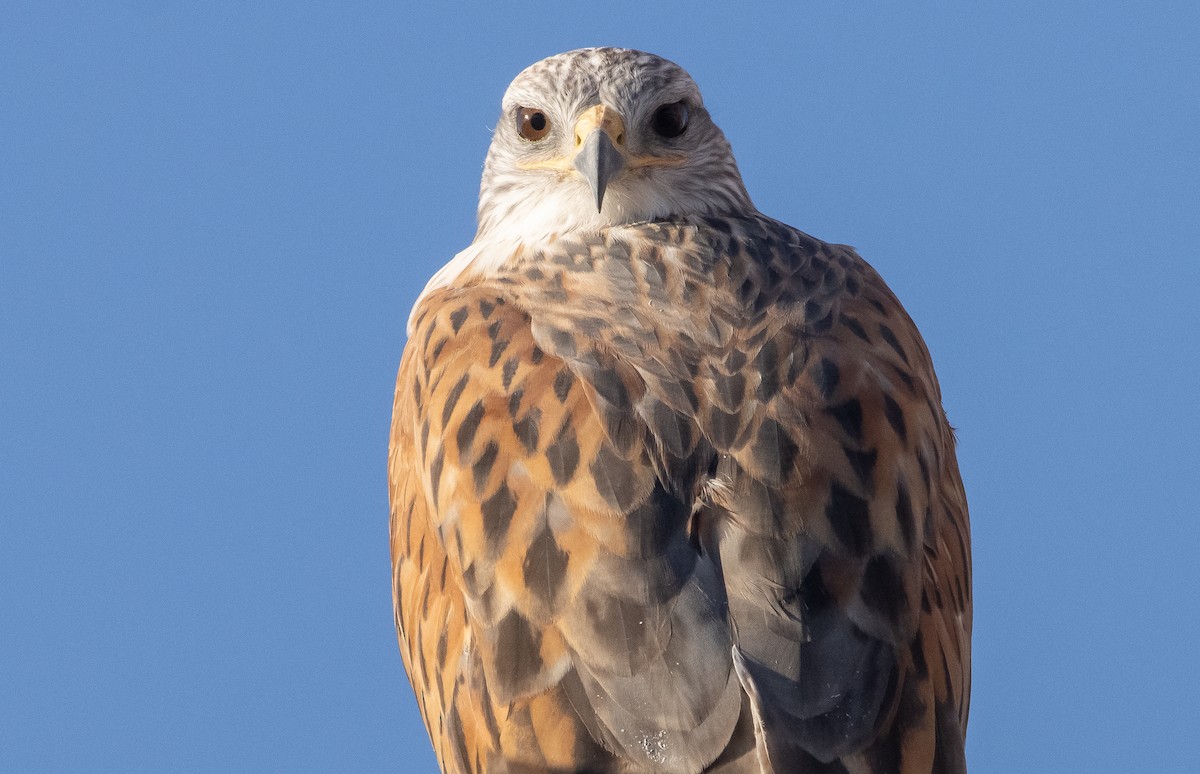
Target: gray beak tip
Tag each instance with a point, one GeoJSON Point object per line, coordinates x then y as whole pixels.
{"type": "Point", "coordinates": [599, 161]}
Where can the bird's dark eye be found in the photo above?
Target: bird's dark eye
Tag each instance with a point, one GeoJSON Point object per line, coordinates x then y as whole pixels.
{"type": "Point", "coordinates": [532, 123]}
{"type": "Point", "coordinates": [670, 120]}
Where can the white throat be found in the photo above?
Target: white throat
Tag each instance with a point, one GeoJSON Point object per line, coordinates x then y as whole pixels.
{"type": "Point", "coordinates": [533, 216]}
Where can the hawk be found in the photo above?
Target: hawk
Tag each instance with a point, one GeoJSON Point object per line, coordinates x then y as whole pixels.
{"type": "Point", "coordinates": [672, 488]}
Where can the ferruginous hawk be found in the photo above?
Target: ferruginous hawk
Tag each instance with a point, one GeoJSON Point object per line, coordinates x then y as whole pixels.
{"type": "Point", "coordinates": [672, 489]}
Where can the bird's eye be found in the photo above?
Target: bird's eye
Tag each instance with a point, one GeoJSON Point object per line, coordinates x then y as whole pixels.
{"type": "Point", "coordinates": [532, 123]}
{"type": "Point", "coordinates": [670, 120]}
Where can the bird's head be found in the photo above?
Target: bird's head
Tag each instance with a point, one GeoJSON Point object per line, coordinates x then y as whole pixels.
{"type": "Point", "coordinates": [602, 137]}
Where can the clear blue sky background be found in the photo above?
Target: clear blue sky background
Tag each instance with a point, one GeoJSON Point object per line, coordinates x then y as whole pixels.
{"type": "Point", "coordinates": [214, 219]}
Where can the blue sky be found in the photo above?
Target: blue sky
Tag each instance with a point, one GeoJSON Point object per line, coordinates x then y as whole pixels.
{"type": "Point", "coordinates": [213, 221]}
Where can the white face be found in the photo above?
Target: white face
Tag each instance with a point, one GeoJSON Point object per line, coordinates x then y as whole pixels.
{"type": "Point", "coordinates": [671, 160]}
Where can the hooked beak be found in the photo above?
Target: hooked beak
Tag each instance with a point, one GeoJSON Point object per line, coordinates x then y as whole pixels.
{"type": "Point", "coordinates": [599, 135]}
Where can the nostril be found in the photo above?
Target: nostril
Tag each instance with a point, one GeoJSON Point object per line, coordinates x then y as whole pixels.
{"type": "Point", "coordinates": [578, 141]}
{"type": "Point", "coordinates": [621, 139]}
